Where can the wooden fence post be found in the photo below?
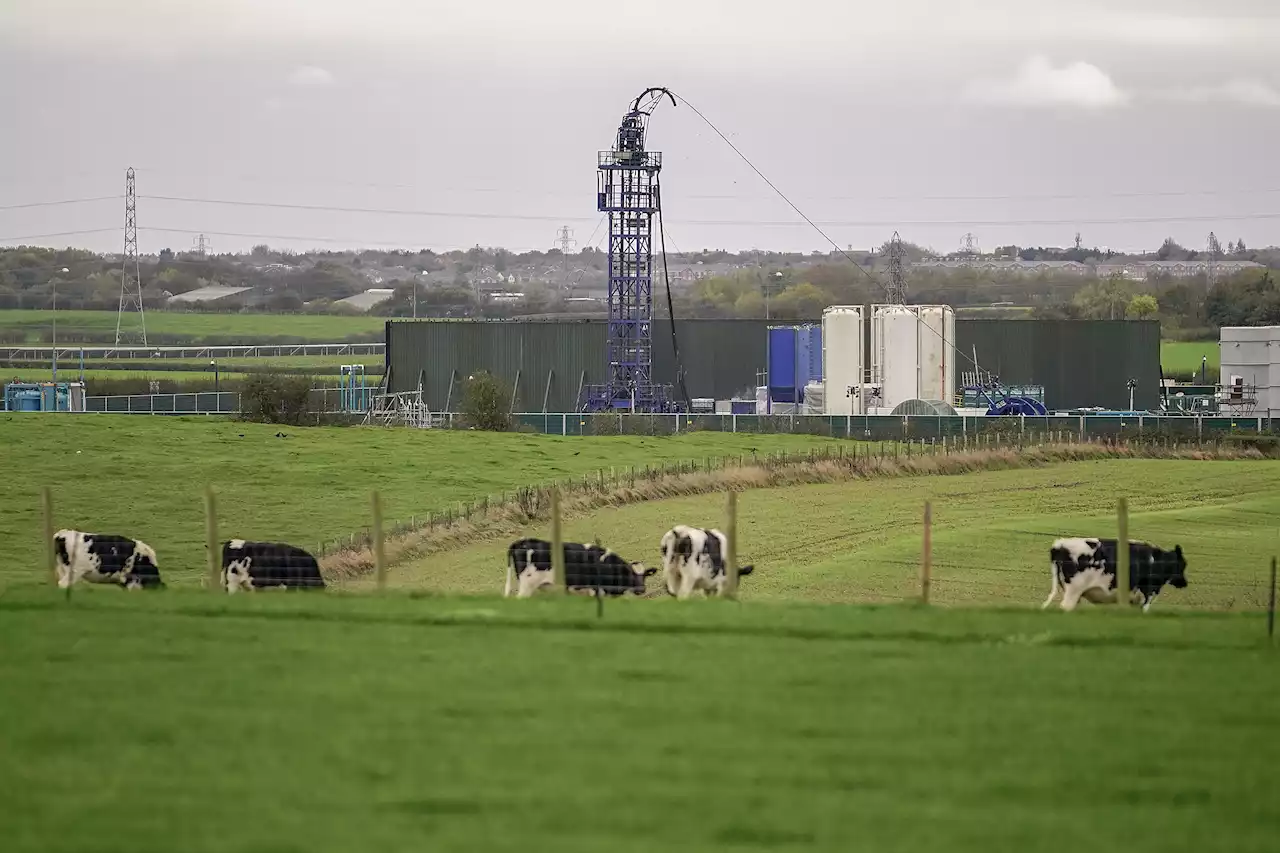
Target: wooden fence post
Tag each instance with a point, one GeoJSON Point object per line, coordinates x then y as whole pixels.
{"type": "Point", "coordinates": [926, 561]}
{"type": "Point", "coordinates": [731, 546]}
{"type": "Point", "coordinates": [379, 558]}
{"type": "Point", "coordinates": [46, 510]}
{"type": "Point", "coordinates": [557, 544]}
{"type": "Point", "coordinates": [1271, 604]}
{"type": "Point", "coordinates": [211, 536]}
{"type": "Point", "coordinates": [1122, 553]}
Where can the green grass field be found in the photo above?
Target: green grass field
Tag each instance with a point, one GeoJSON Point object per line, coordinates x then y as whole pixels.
{"type": "Point", "coordinates": [71, 372]}
{"type": "Point", "coordinates": [190, 721]}
{"type": "Point", "coordinates": [319, 363]}
{"type": "Point", "coordinates": [145, 477]}
{"type": "Point", "coordinates": [248, 328]}
{"type": "Point", "coordinates": [1183, 357]}
{"type": "Point", "coordinates": [861, 540]}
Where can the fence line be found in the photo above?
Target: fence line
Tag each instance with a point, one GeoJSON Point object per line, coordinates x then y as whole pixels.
{"type": "Point", "coordinates": [531, 501]}
{"type": "Point", "coordinates": [731, 554]}
{"type": "Point", "coordinates": [865, 427]}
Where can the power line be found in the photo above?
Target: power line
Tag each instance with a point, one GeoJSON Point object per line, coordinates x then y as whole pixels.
{"type": "Point", "coordinates": [59, 202]}
{"type": "Point", "coordinates": [15, 239]}
{"type": "Point", "coordinates": [435, 188]}
{"type": "Point", "coordinates": [755, 223]}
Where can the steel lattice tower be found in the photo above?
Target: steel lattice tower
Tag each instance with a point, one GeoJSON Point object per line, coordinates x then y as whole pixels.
{"type": "Point", "coordinates": [896, 289]}
{"type": "Point", "coordinates": [130, 289]}
{"type": "Point", "coordinates": [628, 193]}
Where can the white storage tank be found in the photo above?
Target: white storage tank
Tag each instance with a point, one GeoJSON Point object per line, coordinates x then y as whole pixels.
{"type": "Point", "coordinates": [912, 352]}
{"type": "Point", "coordinates": [842, 368]}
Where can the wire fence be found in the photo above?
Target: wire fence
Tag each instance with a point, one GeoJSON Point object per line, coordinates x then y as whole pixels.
{"type": "Point", "coordinates": [1009, 565]}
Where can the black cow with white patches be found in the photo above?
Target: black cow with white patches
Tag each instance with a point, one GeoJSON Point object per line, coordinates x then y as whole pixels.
{"type": "Point", "coordinates": [693, 559]}
{"type": "Point", "coordinates": [105, 558]}
{"type": "Point", "coordinates": [268, 565]}
{"type": "Point", "coordinates": [587, 568]}
{"type": "Point", "coordinates": [1086, 568]}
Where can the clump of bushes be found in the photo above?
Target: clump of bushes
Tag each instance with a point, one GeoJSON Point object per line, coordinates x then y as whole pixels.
{"type": "Point", "coordinates": [486, 402]}
{"type": "Point", "coordinates": [275, 398]}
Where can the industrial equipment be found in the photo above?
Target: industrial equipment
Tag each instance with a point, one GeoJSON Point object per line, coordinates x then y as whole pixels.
{"type": "Point", "coordinates": [628, 193]}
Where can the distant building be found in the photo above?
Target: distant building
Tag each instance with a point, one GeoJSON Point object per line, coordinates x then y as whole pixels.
{"type": "Point", "coordinates": [212, 293]}
{"type": "Point", "coordinates": [369, 298]}
{"type": "Point", "coordinates": [1124, 269]}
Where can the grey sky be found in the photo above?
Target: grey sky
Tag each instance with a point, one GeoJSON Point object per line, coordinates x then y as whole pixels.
{"type": "Point", "coordinates": [1018, 125]}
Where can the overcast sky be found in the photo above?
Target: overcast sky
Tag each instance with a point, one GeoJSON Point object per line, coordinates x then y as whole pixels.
{"type": "Point", "coordinates": [1021, 121]}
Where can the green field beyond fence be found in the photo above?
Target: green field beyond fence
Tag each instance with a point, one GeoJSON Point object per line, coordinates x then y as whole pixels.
{"type": "Point", "coordinates": [171, 327]}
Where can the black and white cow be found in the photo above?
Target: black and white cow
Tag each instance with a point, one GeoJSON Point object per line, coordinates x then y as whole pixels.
{"type": "Point", "coordinates": [586, 568]}
{"type": "Point", "coordinates": [105, 558]}
{"type": "Point", "coordinates": [1086, 568]}
{"type": "Point", "coordinates": [268, 565]}
{"type": "Point", "coordinates": [693, 559]}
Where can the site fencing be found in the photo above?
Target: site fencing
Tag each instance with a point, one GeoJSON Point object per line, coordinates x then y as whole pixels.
{"type": "Point", "coordinates": [1080, 427]}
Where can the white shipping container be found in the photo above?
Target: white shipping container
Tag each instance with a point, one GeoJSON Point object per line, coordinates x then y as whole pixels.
{"type": "Point", "coordinates": [842, 367]}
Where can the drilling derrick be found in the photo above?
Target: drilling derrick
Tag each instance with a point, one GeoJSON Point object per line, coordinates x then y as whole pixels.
{"type": "Point", "coordinates": [628, 193]}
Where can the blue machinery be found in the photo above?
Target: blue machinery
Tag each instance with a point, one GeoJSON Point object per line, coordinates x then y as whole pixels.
{"type": "Point", "coordinates": [628, 192]}
{"type": "Point", "coordinates": [44, 397]}
{"type": "Point", "coordinates": [1014, 400]}
{"type": "Point", "coordinates": [354, 390]}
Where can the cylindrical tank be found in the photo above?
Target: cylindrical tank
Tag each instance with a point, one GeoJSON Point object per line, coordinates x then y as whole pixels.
{"type": "Point", "coordinates": [842, 359]}
{"type": "Point", "coordinates": [912, 350]}
{"type": "Point", "coordinates": [937, 348]}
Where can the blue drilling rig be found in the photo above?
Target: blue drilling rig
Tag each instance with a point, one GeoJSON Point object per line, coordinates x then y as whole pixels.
{"type": "Point", "coordinates": [628, 193]}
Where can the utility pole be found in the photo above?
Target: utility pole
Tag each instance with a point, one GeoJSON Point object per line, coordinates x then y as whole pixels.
{"type": "Point", "coordinates": [131, 275]}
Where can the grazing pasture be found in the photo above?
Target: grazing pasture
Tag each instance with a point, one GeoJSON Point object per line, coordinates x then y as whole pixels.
{"type": "Point", "coordinates": [339, 723]}
{"type": "Point", "coordinates": [145, 477]}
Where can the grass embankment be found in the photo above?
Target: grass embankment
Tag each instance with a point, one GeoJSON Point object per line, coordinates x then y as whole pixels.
{"type": "Point", "coordinates": [333, 723]}
{"type": "Point", "coordinates": [860, 540]}
{"type": "Point", "coordinates": [145, 477]}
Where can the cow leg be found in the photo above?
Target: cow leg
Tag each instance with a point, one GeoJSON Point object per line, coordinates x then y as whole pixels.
{"type": "Point", "coordinates": [1053, 590]}
{"type": "Point", "coordinates": [1150, 600]}
{"type": "Point", "coordinates": [671, 576]}
{"type": "Point", "coordinates": [688, 584]}
{"type": "Point", "coordinates": [1071, 596]}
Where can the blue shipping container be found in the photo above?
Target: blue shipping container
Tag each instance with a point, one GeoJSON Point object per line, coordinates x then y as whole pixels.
{"type": "Point", "coordinates": [782, 364]}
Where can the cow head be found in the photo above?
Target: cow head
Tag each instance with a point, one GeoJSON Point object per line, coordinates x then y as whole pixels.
{"type": "Point", "coordinates": [1178, 569]}
{"type": "Point", "coordinates": [642, 571]}
{"type": "Point", "coordinates": [143, 573]}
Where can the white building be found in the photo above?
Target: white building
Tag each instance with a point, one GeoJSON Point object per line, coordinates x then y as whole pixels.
{"type": "Point", "coordinates": [1250, 370]}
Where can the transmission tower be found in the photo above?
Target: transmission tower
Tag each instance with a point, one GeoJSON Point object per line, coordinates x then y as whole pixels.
{"type": "Point", "coordinates": [896, 289]}
{"type": "Point", "coordinates": [627, 192]}
{"type": "Point", "coordinates": [1214, 250]}
{"type": "Point", "coordinates": [202, 245]}
{"type": "Point", "coordinates": [969, 245]}
{"type": "Point", "coordinates": [131, 275]}
{"type": "Point", "coordinates": [565, 238]}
